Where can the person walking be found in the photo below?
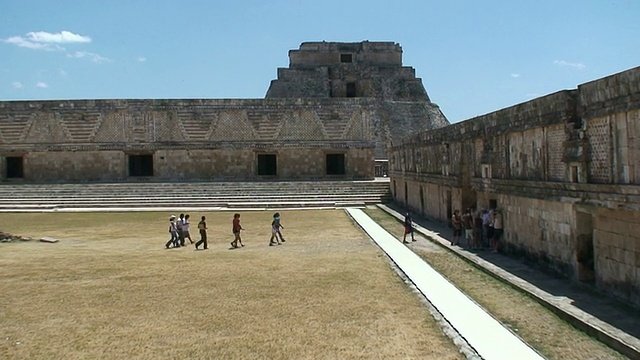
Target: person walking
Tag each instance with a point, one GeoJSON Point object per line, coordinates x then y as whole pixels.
{"type": "Point", "coordinates": [408, 228]}
{"type": "Point", "coordinates": [202, 227]}
{"type": "Point", "coordinates": [179, 226]}
{"type": "Point", "coordinates": [174, 233]}
{"type": "Point", "coordinates": [275, 230]}
{"type": "Point", "coordinates": [185, 230]}
{"type": "Point", "coordinates": [236, 231]}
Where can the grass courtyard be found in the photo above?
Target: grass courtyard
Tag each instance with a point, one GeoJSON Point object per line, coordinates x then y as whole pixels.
{"type": "Point", "coordinates": [109, 289]}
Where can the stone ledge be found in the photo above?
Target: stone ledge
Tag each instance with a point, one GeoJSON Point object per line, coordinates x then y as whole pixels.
{"type": "Point", "coordinates": [613, 196]}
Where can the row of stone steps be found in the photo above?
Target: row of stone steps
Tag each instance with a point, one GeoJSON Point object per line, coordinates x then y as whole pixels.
{"type": "Point", "coordinates": [231, 195]}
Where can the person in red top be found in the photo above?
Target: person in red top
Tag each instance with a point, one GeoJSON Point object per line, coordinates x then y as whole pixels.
{"type": "Point", "coordinates": [236, 231]}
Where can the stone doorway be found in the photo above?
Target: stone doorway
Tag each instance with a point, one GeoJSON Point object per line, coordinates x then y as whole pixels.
{"type": "Point", "coordinates": [267, 164]}
{"type": "Point", "coordinates": [406, 195]}
{"type": "Point", "coordinates": [15, 167]}
{"type": "Point", "coordinates": [335, 164]}
{"type": "Point", "coordinates": [449, 205]}
{"type": "Point", "coordinates": [141, 165]}
{"type": "Point", "coordinates": [421, 200]}
{"type": "Point", "coordinates": [584, 247]}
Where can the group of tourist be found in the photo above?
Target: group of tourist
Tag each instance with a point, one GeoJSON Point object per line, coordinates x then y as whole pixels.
{"type": "Point", "coordinates": [482, 228]}
{"type": "Point", "coordinates": [179, 231]}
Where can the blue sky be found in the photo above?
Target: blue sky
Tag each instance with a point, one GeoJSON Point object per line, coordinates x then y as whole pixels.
{"type": "Point", "coordinates": [473, 56]}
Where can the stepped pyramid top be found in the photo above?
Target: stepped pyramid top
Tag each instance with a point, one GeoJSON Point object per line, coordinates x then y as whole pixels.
{"type": "Point", "coordinates": [314, 54]}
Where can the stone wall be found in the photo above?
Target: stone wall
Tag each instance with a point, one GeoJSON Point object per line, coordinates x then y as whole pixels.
{"type": "Point", "coordinates": [86, 140]}
{"type": "Point", "coordinates": [563, 168]}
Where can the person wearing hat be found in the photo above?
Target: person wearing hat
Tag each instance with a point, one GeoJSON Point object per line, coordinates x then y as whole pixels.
{"type": "Point", "coordinates": [173, 230]}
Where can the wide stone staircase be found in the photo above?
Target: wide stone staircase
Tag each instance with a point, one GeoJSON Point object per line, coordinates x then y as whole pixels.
{"type": "Point", "coordinates": [16, 197]}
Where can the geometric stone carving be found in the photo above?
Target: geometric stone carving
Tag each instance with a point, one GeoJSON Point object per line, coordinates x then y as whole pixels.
{"type": "Point", "coordinates": [301, 125]}
{"type": "Point", "coordinates": [14, 127]}
{"type": "Point", "coordinates": [80, 126]}
{"type": "Point", "coordinates": [233, 125]}
{"type": "Point", "coordinates": [267, 124]}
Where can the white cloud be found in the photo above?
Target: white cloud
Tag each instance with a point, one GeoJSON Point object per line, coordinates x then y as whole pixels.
{"type": "Point", "coordinates": [142, 59]}
{"type": "Point", "coordinates": [62, 72]}
{"type": "Point", "coordinates": [579, 66]}
{"type": "Point", "coordinates": [42, 40]}
{"type": "Point", "coordinates": [85, 54]}
{"type": "Point", "coordinates": [515, 76]}
{"type": "Point", "coordinates": [63, 37]}
{"type": "Point", "coordinates": [17, 85]}
{"type": "Point", "coordinates": [19, 41]}
{"type": "Point", "coordinates": [41, 84]}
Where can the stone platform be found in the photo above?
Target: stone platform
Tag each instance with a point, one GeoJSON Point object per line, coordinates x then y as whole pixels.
{"type": "Point", "coordinates": [157, 196]}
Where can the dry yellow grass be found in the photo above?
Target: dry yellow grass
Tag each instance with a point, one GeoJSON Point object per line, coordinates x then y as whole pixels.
{"type": "Point", "coordinates": [110, 290]}
{"type": "Point", "coordinates": [538, 326]}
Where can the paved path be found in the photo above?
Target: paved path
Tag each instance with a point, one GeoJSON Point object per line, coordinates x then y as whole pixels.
{"type": "Point", "coordinates": [603, 317]}
{"type": "Point", "coordinates": [485, 334]}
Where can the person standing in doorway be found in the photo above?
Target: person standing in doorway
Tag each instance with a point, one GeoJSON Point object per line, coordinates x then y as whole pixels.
{"type": "Point", "coordinates": [456, 224]}
{"type": "Point", "coordinates": [487, 230]}
{"type": "Point", "coordinates": [202, 227]}
{"type": "Point", "coordinates": [408, 228]}
{"type": "Point", "coordinates": [498, 229]}
{"type": "Point", "coordinates": [467, 222]}
{"type": "Point", "coordinates": [477, 229]}
{"type": "Point", "coordinates": [236, 231]}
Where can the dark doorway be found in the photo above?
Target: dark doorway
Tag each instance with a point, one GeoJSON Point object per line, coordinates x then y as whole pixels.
{"type": "Point", "coordinates": [394, 190]}
{"type": "Point", "coordinates": [346, 58]}
{"type": "Point", "coordinates": [406, 195]}
{"type": "Point", "coordinates": [15, 167]}
{"type": "Point", "coordinates": [449, 204]}
{"type": "Point", "coordinates": [267, 164]}
{"type": "Point", "coordinates": [493, 204]}
{"type": "Point", "coordinates": [584, 247]}
{"type": "Point", "coordinates": [141, 165]}
{"type": "Point", "coordinates": [421, 201]}
{"type": "Point", "coordinates": [335, 164]}
{"type": "Point", "coordinates": [351, 89]}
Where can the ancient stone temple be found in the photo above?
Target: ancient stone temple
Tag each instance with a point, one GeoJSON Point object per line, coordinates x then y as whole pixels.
{"type": "Point", "coordinates": [564, 170]}
{"type": "Point", "coordinates": [365, 69]}
{"type": "Point", "coordinates": [328, 116]}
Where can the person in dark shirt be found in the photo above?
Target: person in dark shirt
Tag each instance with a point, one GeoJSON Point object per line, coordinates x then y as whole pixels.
{"type": "Point", "coordinates": [202, 227]}
{"type": "Point", "coordinates": [408, 228]}
{"type": "Point", "coordinates": [236, 231]}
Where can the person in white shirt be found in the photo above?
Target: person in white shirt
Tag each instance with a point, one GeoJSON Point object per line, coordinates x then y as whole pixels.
{"type": "Point", "coordinates": [185, 229]}
{"type": "Point", "coordinates": [497, 230]}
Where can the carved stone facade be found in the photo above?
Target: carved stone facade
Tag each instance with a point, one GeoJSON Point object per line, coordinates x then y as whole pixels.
{"type": "Point", "coordinates": [564, 169]}
{"type": "Point", "coordinates": [364, 69]}
{"type": "Point", "coordinates": [328, 116]}
{"type": "Point", "coordinates": [107, 140]}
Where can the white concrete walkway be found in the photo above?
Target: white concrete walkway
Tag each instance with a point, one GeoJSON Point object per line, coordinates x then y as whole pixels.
{"type": "Point", "coordinates": [486, 335]}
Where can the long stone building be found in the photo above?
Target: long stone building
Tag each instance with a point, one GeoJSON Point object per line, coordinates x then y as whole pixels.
{"type": "Point", "coordinates": [328, 116]}
{"type": "Point", "coordinates": [564, 169]}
